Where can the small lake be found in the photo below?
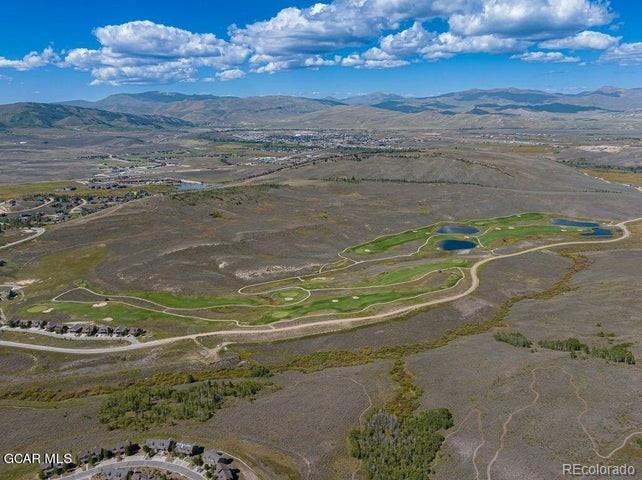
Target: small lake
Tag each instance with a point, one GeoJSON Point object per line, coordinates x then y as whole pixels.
{"type": "Point", "coordinates": [450, 245]}
{"type": "Point", "coordinates": [599, 232]}
{"type": "Point", "coordinates": [564, 222]}
{"type": "Point", "coordinates": [465, 229]}
{"type": "Point", "coordinates": [188, 186]}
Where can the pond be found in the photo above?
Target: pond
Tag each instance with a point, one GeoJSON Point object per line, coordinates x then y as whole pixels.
{"type": "Point", "coordinates": [450, 245]}
{"type": "Point", "coordinates": [465, 229]}
{"type": "Point", "coordinates": [599, 232]}
{"type": "Point", "coordinates": [564, 222]}
{"type": "Point", "coordinates": [188, 186]}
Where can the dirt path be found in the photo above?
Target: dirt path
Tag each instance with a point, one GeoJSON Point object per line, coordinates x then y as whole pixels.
{"type": "Point", "coordinates": [328, 325]}
{"type": "Point", "coordinates": [39, 231]}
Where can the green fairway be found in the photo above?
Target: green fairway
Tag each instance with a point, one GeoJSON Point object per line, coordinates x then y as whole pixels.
{"type": "Point", "coordinates": [387, 242]}
{"type": "Point", "coordinates": [511, 219]}
{"type": "Point", "coordinates": [416, 271]}
{"type": "Point", "coordinates": [174, 300]}
{"type": "Point", "coordinates": [506, 233]}
{"type": "Point", "coordinates": [343, 304]}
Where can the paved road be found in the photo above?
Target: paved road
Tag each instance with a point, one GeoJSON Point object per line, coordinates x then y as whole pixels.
{"type": "Point", "coordinates": [338, 323]}
{"type": "Point", "coordinates": [135, 463]}
{"type": "Point", "coordinates": [39, 231]}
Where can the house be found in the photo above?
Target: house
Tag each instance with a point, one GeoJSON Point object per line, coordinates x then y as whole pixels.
{"type": "Point", "coordinates": [60, 329]}
{"type": "Point", "coordinates": [115, 473]}
{"type": "Point", "coordinates": [225, 473]}
{"type": "Point", "coordinates": [48, 469]}
{"type": "Point", "coordinates": [51, 326]}
{"type": "Point", "coordinates": [214, 458]}
{"type": "Point", "coordinates": [89, 456]}
{"type": "Point", "coordinates": [76, 329]}
{"type": "Point", "coordinates": [40, 323]}
{"type": "Point", "coordinates": [160, 445]}
{"type": "Point", "coordinates": [121, 331]}
{"type": "Point", "coordinates": [136, 331]}
{"type": "Point", "coordinates": [122, 449]}
{"type": "Point", "coordinates": [103, 330]}
{"type": "Point", "coordinates": [89, 330]}
{"type": "Point", "coordinates": [184, 448]}
{"type": "Point", "coordinates": [24, 324]}
{"type": "Point", "coordinates": [140, 476]}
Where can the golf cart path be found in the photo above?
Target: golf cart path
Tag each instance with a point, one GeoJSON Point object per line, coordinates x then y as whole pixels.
{"type": "Point", "coordinates": [338, 323]}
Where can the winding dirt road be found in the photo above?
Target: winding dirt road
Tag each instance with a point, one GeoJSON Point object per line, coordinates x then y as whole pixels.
{"type": "Point", "coordinates": [326, 326]}
{"type": "Point", "coordinates": [39, 231]}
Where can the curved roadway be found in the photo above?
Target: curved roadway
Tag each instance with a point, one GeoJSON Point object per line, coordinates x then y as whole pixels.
{"type": "Point", "coordinates": [329, 323]}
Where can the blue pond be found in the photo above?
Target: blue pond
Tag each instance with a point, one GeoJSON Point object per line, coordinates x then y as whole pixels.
{"type": "Point", "coordinates": [465, 229]}
{"type": "Point", "coordinates": [449, 245]}
{"type": "Point", "coordinates": [599, 232]}
{"type": "Point", "coordinates": [188, 186]}
{"type": "Point", "coordinates": [563, 222]}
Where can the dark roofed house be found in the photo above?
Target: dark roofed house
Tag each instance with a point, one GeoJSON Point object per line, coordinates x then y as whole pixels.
{"type": "Point", "coordinates": [90, 456]}
{"type": "Point", "coordinates": [211, 457]}
{"type": "Point", "coordinates": [104, 330]}
{"type": "Point", "coordinates": [136, 331]}
{"type": "Point", "coordinates": [140, 476]}
{"type": "Point", "coordinates": [48, 469]}
{"type": "Point", "coordinates": [225, 473]}
{"type": "Point", "coordinates": [25, 324]}
{"type": "Point", "coordinates": [185, 448]}
{"type": "Point", "coordinates": [60, 328]}
{"type": "Point", "coordinates": [122, 449]}
{"type": "Point", "coordinates": [160, 444]}
{"type": "Point", "coordinates": [41, 323]}
{"type": "Point", "coordinates": [115, 473]}
{"type": "Point", "coordinates": [121, 331]}
{"type": "Point", "coordinates": [76, 329]}
{"type": "Point", "coordinates": [89, 329]}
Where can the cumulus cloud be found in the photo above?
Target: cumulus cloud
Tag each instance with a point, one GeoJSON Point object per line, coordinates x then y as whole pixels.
{"type": "Point", "coordinates": [375, 33]}
{"type": "Point", "coordinates": [31, 60]}
{"type": "Point", "coordinates": [586, 40]}
{"type": "Point", "coordinates": [143, 52]}
{"type": "Point", "coordinates": [529, 18]}
{"type": "Point", "coordinates": [447, 45]}
{"type": "Point", "coordinates": [544, 57]}
{"type": "Point", "coordinates": [372, 58]}
{"type": "Point", "coordinates": [231, 74]}
{"type": "Point", "coordinates": [624, 54]}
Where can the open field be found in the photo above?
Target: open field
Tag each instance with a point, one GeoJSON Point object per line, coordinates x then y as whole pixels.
{"type": "Point", "coordinates": [314, 262]}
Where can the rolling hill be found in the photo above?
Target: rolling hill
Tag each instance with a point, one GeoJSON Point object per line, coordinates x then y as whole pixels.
{"type": "Point", "coordinates": [211, 109]}
{"type": "Point", "coordinates": [45, 115]}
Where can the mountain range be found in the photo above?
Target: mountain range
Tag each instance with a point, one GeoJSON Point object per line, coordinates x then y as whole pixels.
{"type": "Point", "coordinates": [508, 107]}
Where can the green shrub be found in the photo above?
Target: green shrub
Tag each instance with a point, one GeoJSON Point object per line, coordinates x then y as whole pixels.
{"type": "Point", "coordinates": [568, 345]}
{"type": "Point", "coordinates": [400, 450]}
{"type": "Point", "coordinates": [513, 338]}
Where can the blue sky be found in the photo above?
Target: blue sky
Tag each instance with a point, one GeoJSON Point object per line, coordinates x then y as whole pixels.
{"type": "Point", "coordinates": [342, 47]}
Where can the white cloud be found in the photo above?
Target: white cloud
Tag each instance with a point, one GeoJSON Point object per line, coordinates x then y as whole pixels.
{"type": "Point", "coordinates": [546, 57]}
{"type": "Point", "coordinates": [231, 74]}
{"type": "Point", "coordinates": [447, 45]}
{"type": "Point", "coordinates": [406, 42]}
{"type": "Point", "coordinates": [143, 52]}
{"type": "Point", "coordinates": [584, 40]}
{"type": "Point", "coordinates": [372, 58]}
{"type": "Point", "coordinates": [624, 54]}
{"type": "Point", "coordinates": [31, 60]}
{"type": "Point", "coordinates": [529, 18]}
{"type": "Point", "coordinates": [377, 33]}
